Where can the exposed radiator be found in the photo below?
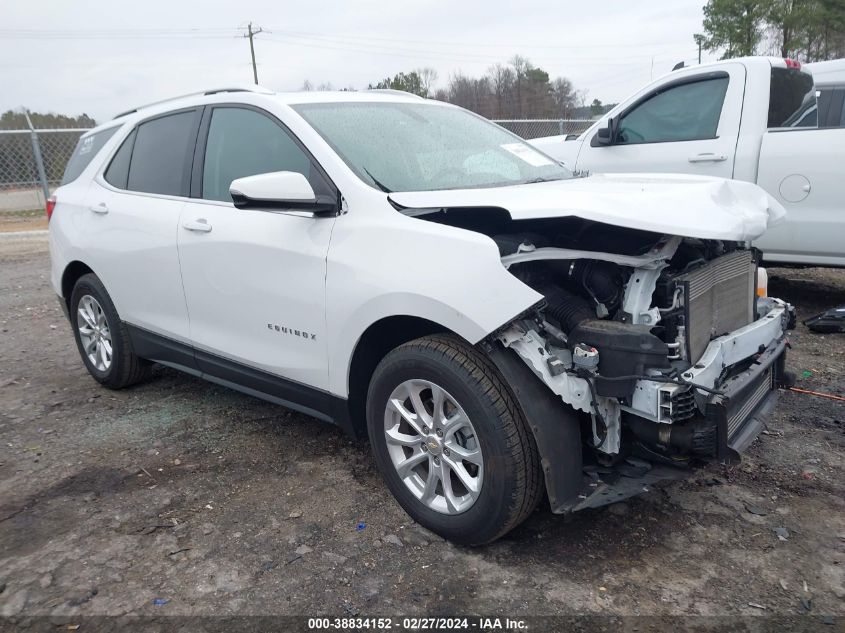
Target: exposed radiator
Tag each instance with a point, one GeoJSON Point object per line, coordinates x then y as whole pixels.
{"type": "Point", "coordinates": [718, 298]}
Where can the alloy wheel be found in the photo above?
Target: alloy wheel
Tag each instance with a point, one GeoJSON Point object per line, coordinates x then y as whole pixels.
{"type": "Point", "coordinates": [433, 446]}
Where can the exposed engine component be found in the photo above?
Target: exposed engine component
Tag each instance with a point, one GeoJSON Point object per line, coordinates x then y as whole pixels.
{"type": "Point", "coordinates": [566, 308]}
{"type": "Point", "coordinates": [585, 357]}
{"type": "Point", "coordinates": [602, 281]}
{"type": "Point", "coordinates": [623, 324]}
{"type": "Point", "coordinates": [625, 350]}
{"type": "Point", "coordinates": [698, 439]}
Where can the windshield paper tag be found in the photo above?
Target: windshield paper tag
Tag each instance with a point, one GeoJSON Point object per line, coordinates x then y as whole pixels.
{"type": "Point", "coordinates": [530, 156]}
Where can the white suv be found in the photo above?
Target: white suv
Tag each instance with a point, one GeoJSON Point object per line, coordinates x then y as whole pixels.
{"type": "Point", "coordinates": [405, 268]}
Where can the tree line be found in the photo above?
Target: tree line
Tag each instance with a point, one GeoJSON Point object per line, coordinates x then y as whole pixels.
{"type": "Point", "coordinates": [12, 120]}
{"type": "Point", "coordinates": [806, 30]}
{"type": "Point", "coordinates": [513, 90]}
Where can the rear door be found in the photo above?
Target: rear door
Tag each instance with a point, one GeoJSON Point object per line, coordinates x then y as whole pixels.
{"type": "Point", "coordinates": [133, 213]}
{"type": "Point", "coordinates": [688, 123]}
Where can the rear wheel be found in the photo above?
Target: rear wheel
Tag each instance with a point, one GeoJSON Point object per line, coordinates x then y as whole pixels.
{"type": "Point", "coordinates": [101, 336]}
{"type": "Point", "coordinates": [450, 441]}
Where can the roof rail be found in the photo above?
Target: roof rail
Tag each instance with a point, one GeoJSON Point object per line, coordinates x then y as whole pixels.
{"type": "Point", "coordinates": [392, 91]}
{"type": "Point", "coordinates": [242, 88]}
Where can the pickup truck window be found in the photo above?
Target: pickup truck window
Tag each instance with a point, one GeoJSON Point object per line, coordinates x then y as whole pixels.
{"type": "Point", "coordinates": [792, 96]}
{"type": "Point", "coordinates": [831, 112]}
{"type": "Point", "coordinates": [684, 112]}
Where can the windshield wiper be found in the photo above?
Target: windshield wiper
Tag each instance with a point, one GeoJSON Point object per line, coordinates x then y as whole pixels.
{"type": "Point", "coordinates": [376, 182]}
{"type": "Point", "coordinates": [540, 179]}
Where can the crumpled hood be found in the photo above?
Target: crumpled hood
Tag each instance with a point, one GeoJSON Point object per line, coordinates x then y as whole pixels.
{"type": "Point", "coordinates": [674, 204]}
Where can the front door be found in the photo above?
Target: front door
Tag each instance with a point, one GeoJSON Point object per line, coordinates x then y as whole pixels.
{"type": "Point", "coordinates": [254, 280]}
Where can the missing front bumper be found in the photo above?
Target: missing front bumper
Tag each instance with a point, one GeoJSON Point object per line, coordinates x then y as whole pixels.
{"type": "Point", "coordinates": [746, 400]}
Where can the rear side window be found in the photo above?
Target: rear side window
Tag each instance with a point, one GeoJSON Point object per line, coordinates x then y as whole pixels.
{"type": "Point", "coordinates": [86, 149]}
{"type": "Point", "coordinates": [244, 142]}
{"type": "Point", "coordinates": [158, 159]}
{"type": "Point", "coordinates": [117, 173]}
{"type": "Point", "coordinates": [685, 112]}
{"type": "Point", "coordinates": [792, 99]}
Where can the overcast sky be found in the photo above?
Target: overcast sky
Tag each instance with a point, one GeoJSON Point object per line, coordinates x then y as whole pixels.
{"type": "Point", "coordinates": [107, 56]}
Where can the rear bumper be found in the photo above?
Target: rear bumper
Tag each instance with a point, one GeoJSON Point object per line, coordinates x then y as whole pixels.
{"type": "Point", "coordinates": [746, 400]}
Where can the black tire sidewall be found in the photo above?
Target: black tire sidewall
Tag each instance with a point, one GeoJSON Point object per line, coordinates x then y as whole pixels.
{"type": "Point", "coordinates": [483, 521]}
{"type": "Point", "coordinates": [91, 285]}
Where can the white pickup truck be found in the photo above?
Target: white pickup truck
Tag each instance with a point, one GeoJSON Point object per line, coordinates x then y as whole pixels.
{"type": "Point", "coordinates": [752, 119]}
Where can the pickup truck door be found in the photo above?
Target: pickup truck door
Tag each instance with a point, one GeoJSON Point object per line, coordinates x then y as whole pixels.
{"type": "Point", "coordinates": [688, 123]}
{"type": "Point", "coordinates": [811, 189]}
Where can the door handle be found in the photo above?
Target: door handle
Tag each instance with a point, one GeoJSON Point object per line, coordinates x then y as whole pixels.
{"type": "Point", "coordinates": [707, 158]}
{"type": "Point", "coordinates": [101, 208]}
{"type": "Point", "coordinates": [200, 225]}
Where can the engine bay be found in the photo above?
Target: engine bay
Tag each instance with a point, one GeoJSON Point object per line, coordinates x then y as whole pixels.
{"type": "Point", "coordinates": [613, 336]}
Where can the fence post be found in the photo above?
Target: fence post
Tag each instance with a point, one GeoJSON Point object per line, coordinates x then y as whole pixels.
{"type": "Point", "coordinates": [39, 161]}
{"type": "Point", "coordinates": [560, 127]}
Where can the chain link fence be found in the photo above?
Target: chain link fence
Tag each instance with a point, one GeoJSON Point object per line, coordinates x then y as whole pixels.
{"type": "Point", "coordinates": [32, 161]}
{"type": "Point", "coordinates": [535, 128]}
{"type": "Point", "coordinates": [31, 166]}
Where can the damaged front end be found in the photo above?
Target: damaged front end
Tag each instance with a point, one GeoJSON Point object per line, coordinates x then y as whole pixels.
{"type": "Point", "coordinates": [659, 343]}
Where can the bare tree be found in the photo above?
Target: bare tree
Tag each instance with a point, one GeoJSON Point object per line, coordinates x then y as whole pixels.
{"type": "Point", "coordinates": [502, 79]}
{"type": "Point", "coordinates": [520, 67]}
{"type": "Point", "coordinates": [427, 78]}
{"type": "Point", "coordinates": [564, 97]}
{"type": "Point", "coordinates": [307, 86]}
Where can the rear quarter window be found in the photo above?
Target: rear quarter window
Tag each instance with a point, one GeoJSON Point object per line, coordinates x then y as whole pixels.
{"type": "Point", "coordinates": [792, 99]}
{"type": "Point", "coordinates": [86, 149]}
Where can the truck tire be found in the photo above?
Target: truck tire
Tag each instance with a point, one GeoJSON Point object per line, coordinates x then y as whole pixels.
{"type": "Point", "coordinates": [102, 338]}
{"type": "Point", "coordinates": [450, 440]}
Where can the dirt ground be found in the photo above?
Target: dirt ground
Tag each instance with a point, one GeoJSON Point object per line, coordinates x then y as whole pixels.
{"type": "Point", "coordinates": [212, 502]}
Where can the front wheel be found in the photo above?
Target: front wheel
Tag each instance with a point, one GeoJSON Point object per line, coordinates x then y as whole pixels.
{"type": "Point", "coordinates": [451, 442]}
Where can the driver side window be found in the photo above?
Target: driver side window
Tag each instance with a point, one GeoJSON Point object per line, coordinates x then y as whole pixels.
{"type": "Point", "coordinates": [686, 112]}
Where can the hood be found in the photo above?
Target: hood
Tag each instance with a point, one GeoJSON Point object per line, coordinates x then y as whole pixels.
{"type": "Point", "coordinates": [689, 206]}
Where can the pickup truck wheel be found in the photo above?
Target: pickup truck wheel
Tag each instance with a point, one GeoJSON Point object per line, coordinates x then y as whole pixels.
{"type": "Point", "coordinates": [450, 441]}
{"type": "Point", "coordinates": [102, 338]}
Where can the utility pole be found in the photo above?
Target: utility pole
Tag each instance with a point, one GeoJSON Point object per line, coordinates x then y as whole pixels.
{"type": "Point", "coordinates": [250, 34]}
{"type": "Point", "coordinates": [699, 39]}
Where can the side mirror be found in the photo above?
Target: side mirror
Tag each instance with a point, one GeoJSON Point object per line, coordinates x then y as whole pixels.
{"type": "Point", "coordinates": [279, 190]}
{"type": "Point", "coordinates": [606, 135]}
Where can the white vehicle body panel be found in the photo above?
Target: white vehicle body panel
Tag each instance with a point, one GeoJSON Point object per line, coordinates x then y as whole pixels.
{"type": "Point", "coordinates": [744, 149]}
{"type": "Point", "coordinates": [807, 190]}
{"type": "Point", "coordinates": [272, 275]}
{"type": "Point", "coordinates": [713, 208]}
{"type": "Point", "coordinates": [828, 73]}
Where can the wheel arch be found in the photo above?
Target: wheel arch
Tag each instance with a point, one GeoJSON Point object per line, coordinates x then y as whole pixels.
{"type": "Point", "coordinates": [71, 274]}
{"type": "Point", "coordinates": [374, 344]}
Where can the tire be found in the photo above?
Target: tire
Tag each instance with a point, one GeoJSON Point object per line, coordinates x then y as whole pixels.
{"type": "Point", "coordinates": [123, 368]}
{"type": "Point", "coordinates": [502, 490]}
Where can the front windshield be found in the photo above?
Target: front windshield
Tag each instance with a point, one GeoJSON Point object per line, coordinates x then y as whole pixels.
{"type": "Point", "coordinates": [426, 147]}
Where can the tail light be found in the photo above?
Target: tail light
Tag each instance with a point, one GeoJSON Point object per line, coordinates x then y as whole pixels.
{"type": "Point", "coordinates": [51, 204]}
{"type": "Point", "coordinates": [793, 63]}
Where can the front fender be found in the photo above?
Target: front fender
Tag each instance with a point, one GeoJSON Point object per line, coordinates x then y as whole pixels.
{"type": "Point", "coordinates": [411, 267]}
